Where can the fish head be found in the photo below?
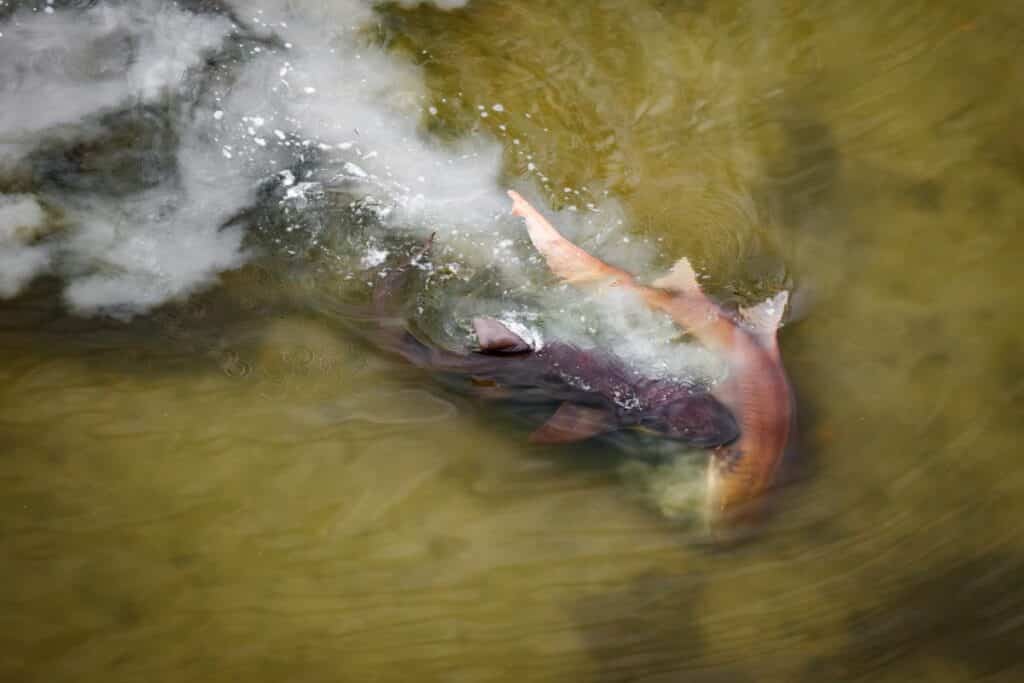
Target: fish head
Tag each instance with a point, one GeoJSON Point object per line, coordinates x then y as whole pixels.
{"type": "Point", "coordinates": [696, 418]}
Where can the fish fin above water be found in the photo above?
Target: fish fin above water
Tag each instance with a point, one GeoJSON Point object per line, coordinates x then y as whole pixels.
{"type": "Point", "coordinates": [688, 306]}
{"type": "Point", "coordinates": [565, 259]}
{"type": "Point", "coordinates": [573, 422]}
{"type": "Point", "coordinates": [693, 313]}
{"type": "Point", "coordinates": [495, 337]}
{"type": "Point", "coordinates": [681, 279]}
{"type": "Point", "coordinates": [763, 320]}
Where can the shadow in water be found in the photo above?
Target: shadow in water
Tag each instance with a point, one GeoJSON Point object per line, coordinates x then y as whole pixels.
{"type": "Point", "coordinates": [650, 631]}
{"type": "Point", "coordinates": [963, 620]}
{"type": "Point", "coordinates": [954, 625]}
{"type": "Point", "coordinates": [805, 177]}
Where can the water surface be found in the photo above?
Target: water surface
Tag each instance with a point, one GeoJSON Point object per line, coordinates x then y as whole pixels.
{"type": "Point", "coordinates": [213, 479]}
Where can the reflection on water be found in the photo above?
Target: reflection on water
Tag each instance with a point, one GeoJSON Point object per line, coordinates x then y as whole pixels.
{"type": "Point", "coordinates": [232, 486]}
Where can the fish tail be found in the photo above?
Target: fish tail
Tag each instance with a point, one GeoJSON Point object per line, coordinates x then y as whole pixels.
{"type": "Point", "coordinates": [564, 258]}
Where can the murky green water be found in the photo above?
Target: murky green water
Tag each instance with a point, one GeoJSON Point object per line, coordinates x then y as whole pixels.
{"type": "Point", "coordinates": [234, 489]}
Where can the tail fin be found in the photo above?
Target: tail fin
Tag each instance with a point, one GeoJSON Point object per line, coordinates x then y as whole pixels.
{"type": "Point", "coordinates": [564, 258]}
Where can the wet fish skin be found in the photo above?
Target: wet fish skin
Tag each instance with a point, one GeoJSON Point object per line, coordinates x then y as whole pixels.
{"type": "Point", "coordinates": [597, 391]}
{"type": "Point", "coordinates": [671, 408]}
{"type": "Point", "coordinates": [757, 391]}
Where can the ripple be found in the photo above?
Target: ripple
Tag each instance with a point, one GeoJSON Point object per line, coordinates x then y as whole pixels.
{"type": "Point", "coordinates": [404, 406]}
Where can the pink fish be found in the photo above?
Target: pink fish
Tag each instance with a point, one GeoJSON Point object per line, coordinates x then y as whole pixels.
{"type": "Point", "coordinates": [757, 390]}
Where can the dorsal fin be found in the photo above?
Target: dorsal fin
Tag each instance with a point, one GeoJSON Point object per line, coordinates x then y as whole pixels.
{"type": "Point", "coordinates": [680, 279]}
{"type": "Point", "coordinates": [694, 312]}
{"type": "Point", "coordinates": [763, 319]}
{"type": "Point", "coordinates": [573, 422]}
{"type": "Point", "coordinates": [496, 338]}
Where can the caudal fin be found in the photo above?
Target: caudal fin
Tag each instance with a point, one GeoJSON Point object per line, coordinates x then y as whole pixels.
{"type": "Point", "coordinates": [564, 258]}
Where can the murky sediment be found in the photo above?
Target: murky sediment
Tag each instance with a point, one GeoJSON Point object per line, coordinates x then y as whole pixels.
{"type": "Point", "coordinates": [206, 475]}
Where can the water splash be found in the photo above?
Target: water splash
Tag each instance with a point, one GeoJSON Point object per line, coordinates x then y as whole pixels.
{"type": "Point", "coordinates": [21, 218]}
{"type": "Point", "coordinates": [240, 94]}
{"type": "Point", "coordinates": [165, 132]}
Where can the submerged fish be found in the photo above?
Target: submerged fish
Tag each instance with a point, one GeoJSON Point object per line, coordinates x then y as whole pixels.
{"type": "Point", "coordinates": [757, 390]}
{"type": "Point", "coordinates": [596, 391]}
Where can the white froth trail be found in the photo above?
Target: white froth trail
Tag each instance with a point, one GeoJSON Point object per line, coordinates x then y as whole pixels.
{"type": "Point", "coordinates": [60, 72]}
{"type": "Point", "coordinates": [285, 89]}
{"type": "Point", "coordinates": [21, 218]}
{"type": "Point", "coordinates": [363, 109]}
{"type": "Point", "coordinates": [295, 81]}
{"type": "Point", "coordinates": [311, 81]}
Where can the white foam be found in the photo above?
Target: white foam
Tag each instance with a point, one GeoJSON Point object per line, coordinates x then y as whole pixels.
{"type": "Point", "coordinates": [367, 106]}
{"type": "Point", "coordinates": [19, 265]}
{"type": "Point", "coordinates": [21, 220]}
{"type": "Point", "coordinates": [57, 70]}
{"type": "Point", "coordinates": [374, 257]}
{"type": "Point", "coordinates": [133, 254]}
{"type": "Point", "coordinates": [328, 97]}
{"type": "Point", "coordinates": [360, 107]}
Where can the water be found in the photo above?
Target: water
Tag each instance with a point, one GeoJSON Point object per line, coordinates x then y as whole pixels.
{"type": "Point", "coordinates": [206, 477]}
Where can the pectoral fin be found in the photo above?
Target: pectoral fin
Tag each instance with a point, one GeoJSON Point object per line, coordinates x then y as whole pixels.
{"type": "Point", "coordinates": [572, 422]}
{"type": "Point", "coordinates": [496, 338]}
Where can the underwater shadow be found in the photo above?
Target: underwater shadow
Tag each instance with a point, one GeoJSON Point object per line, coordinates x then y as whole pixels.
{"type": "Point", "coordinates": [968, 617]}
{"type": "Point", "coordinates": [650, 631]}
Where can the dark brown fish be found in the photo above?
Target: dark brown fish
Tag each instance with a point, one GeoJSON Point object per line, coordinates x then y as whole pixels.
{"type": "Point", "coordinates": [596, 391]}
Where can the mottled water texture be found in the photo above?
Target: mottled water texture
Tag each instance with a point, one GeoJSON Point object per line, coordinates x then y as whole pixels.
{"type": "Point", "coordinates": [232, 487]}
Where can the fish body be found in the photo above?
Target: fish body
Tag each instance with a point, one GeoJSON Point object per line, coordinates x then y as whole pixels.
{"type": "Point", "coordinates": [597, 392]}
{"type": "Point", "coordinates": [757, 391]}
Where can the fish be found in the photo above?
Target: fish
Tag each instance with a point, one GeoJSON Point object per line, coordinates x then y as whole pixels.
{"type": "Point", "coordinates": [595, 391]}
{"type": "Point", "coordinates": [757, 391]}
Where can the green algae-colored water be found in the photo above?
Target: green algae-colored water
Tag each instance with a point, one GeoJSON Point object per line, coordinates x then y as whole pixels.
{"type": "Point", "coordinates": [232, 488]}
